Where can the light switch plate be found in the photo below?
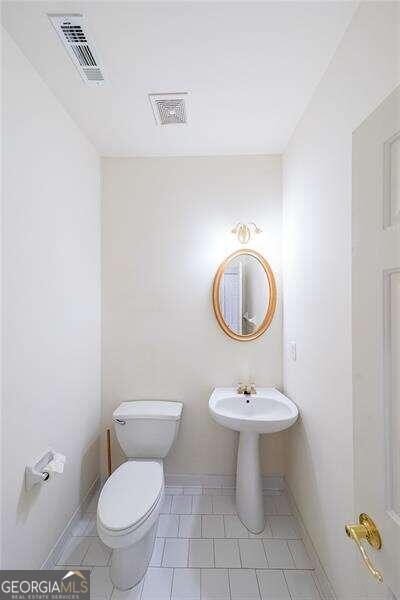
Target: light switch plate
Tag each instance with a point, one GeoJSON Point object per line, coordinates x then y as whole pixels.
{"type": "Point", "coordinates": [293, 351]}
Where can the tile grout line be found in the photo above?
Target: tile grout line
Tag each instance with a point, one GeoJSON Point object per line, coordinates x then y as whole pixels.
{"type": "Point", "coordinates": [200, 582]}
{"type": "Point", "coordinates": [172, 583]}
{"type": "Point", "coordinates": [190, 546]}
{"type": "Point", "coordinates": [141, 591]}
{"type": "Point", "coordinates": [162, 554]}
{"type": "Point", "coordinates": [240, 553]}
{"type": "Point", "coordinates": [290, 593]}
{"type": "Point", "coordinates": [291, 553]}
{"type": "Point", "coordinates": [229, 583]}
{"type": "Point", "coordinates": [317, 585]}
{"type": "Point", "coordinates": [258, 583]}
{"type": "Point", "coordinates": [84, 556]}
{"type": "Point", "coordinates": [265, 552]}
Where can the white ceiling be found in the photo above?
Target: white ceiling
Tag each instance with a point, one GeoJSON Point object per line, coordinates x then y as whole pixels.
{"type": "Point", "coordinates": [250, 68]}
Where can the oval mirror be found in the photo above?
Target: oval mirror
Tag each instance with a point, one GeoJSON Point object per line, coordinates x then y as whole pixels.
{"type": "Point", "coordinates": [244, 295]}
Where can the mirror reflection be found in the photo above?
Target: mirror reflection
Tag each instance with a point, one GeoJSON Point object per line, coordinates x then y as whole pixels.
{"type": "Point", "coordinates": [244, 294]}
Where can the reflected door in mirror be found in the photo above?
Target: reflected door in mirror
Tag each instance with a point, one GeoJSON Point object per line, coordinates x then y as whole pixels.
{"type": "Point", "coordinates": [244, 295]}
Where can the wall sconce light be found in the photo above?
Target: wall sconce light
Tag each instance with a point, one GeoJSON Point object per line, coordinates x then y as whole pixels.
{"type": "Point", "coordinates": [244, 231]}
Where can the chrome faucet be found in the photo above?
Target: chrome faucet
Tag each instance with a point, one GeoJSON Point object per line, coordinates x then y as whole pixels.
{"type": "Point", "coordinates": [246, 389]}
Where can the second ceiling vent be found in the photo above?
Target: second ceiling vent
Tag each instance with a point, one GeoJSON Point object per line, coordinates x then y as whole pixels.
{"type": "Point", "coordinates": [169, 109]}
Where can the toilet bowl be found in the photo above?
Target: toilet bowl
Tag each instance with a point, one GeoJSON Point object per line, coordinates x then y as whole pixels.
{"type": "Point", "coordinates": [127, 518]}
{"type": "Point", "coordinates": [131, 499]}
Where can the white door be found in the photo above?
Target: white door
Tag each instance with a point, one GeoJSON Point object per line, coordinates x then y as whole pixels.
{"type": "Point", "coordinates": [376, 339]}
{"type": "Point", "coordinates": [231, 297]}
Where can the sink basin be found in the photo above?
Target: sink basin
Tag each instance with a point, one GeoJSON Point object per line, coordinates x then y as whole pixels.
{"type": "Point", "coordinates": [268, 411]}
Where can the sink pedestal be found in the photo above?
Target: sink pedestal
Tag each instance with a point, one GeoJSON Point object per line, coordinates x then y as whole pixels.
{"type": "Point", "coordinates": [249, 499]}
{"type": "Point", "coordinates": [267, 411]}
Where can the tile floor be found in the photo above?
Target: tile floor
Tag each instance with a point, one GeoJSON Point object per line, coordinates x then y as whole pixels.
{"type": "Point", "coordinates": [203, 552]}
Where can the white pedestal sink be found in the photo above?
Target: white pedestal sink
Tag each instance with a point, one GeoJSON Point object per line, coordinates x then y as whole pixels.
{"type": "Point", "coordinates": [267, 411]}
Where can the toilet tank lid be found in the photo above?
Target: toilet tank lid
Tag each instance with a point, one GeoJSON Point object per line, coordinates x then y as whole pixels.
{"type": "Point", "coordinates": [149, 409]}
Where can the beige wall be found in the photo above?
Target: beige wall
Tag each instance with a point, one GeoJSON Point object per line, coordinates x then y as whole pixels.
{"type": "Point", "coordinates": [317, 283]}
{"type": "Point", "coordinates": [51, 310]}
{"type": "Point", "coordinates": [166, 229]}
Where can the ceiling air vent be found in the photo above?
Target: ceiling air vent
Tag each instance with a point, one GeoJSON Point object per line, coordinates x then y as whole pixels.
{"type": "Point", "coordinates": [73, 32]}
{"type": "Point", "coordinates": [169, 109]}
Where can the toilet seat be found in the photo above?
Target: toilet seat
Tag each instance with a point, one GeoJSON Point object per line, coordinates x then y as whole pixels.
{"type": "Point", "coordinates": [130, 501]}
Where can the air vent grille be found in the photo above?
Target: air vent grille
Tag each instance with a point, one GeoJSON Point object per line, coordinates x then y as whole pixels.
{"type": "Point", "coordinates": [84, 55]}
{"type": "Point", "coordinates": [93, 74]}
{"type": "Point", "coordinates": [169, 109]}
{"type": "Point", "coordinates": [74, 34]}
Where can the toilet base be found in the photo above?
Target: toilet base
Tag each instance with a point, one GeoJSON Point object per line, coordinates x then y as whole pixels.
{"type": "Point", "coordinates": [129, 565]}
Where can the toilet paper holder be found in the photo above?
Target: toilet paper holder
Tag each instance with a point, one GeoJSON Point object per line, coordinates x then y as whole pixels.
{"type": "Point", "coordinates": [42, 470]}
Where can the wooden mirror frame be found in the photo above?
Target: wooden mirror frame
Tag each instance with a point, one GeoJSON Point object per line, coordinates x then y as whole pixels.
{"type": "Point", "coordinates": [272, 296]}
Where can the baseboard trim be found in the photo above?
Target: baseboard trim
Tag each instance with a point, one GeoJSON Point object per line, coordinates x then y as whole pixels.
{"type": "Point", "coordinates": [325, 587]}
{"type": "Point", "coordinates": [56, 550]}
{"type": "Point", "coordinates": [274, 483]}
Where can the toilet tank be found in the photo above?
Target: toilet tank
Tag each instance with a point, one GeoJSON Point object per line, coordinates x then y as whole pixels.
{"type": "Point", "coordinates": [147, 428]}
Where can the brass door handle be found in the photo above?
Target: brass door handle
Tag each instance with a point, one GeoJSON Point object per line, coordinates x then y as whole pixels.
{"type": "Point", "coordinates": [366, 530]}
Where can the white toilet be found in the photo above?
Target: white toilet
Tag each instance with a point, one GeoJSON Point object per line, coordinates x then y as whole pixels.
{"type": "Point", "coordinates": [131, 499]}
